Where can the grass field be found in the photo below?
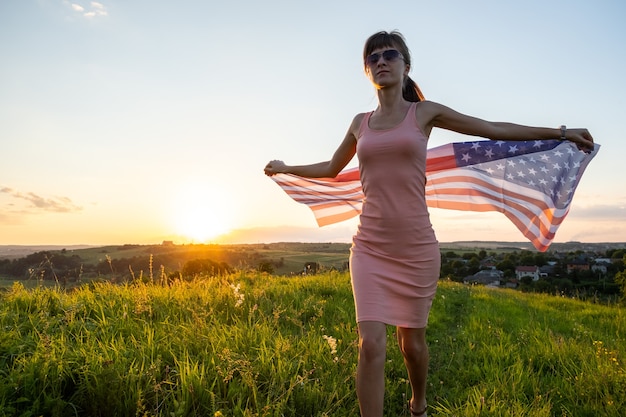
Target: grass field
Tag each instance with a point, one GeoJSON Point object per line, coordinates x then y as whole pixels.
{"type": "Point", "coordinates": [258, 345]}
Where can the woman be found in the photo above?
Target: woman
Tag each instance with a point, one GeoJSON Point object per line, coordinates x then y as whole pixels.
{"type": "Point", "coordinates": [394, 259]}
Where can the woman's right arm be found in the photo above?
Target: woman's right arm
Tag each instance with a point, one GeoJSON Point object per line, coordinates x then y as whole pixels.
{"type": "Point", "coordinates": [327, 169]}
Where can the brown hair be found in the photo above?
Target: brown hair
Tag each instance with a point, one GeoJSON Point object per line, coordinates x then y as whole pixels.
{"type": "Point", "coordinates": [410, 90]}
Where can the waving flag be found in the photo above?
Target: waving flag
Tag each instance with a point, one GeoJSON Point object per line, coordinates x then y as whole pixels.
{"type": "Point", "coordinates": [531, 182]}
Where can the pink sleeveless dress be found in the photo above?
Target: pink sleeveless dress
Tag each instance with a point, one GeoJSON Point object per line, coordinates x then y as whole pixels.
{"type": "Point", "coordinates": [394, 259]}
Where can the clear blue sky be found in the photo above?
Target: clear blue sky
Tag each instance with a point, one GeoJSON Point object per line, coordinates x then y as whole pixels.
{"type": "Point", "coordinates": [142, 121]}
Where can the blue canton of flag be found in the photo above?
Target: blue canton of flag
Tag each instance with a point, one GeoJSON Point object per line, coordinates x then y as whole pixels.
{"type": "Point", "coordinates": [541, 165]}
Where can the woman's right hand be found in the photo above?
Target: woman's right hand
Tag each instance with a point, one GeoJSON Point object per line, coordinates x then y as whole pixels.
{"type": "Point", "coordinates": [275, 167]}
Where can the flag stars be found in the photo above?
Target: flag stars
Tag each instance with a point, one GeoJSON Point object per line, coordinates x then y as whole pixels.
{"type": "Point", "coordinates": [466, 157]}
{"type": "Point", "coordinates": [475, 146]}
{"type": "Point", "coordinates": [500, 167]}
{"type": "Point", "coordinates": [556, 166]}
{"type": "Point", "coordinates": [538, 144]}
{"type": "Point", "coordinates": [489, 153]}
{"type": "Point", "coordinates": [545, 158]}
{"type": "Point", "coordinates": [510, 163]}
{"type": "Point", "coordinates": [532, 171]}
{"type": "Point", "coordinates": [513, 148]}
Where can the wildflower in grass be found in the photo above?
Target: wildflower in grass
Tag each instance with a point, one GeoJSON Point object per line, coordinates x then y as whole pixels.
{"type": "Point", "coordinates": [218, 414]}
{"type": "Point", "coordinates": [238, 295]}
{"type": "Point", "coordinates": [332, 342]}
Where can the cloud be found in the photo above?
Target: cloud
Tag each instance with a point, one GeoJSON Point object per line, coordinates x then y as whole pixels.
{"type": "Point", "coordinates": [615, 211]}
{"type": "Point", "coordinates": [94, 9]}
{"type": "Point", "coordinates": [36, 203]}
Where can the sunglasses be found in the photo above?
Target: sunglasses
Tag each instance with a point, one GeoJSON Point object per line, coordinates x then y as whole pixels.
{"type": "Point", "coordinates": [389, 55]}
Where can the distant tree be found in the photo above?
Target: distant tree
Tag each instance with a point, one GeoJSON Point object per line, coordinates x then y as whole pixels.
{"type": "Point", "coordinates": [507, 266]}
{"type": "Point", "coordinates": [265, 266]}
{"type": "Point", "coordinates": [620, 279]}
{"type": "Point", "coordinates": [526, 284]}
{"type": "Point", "coordinates": [205, 266]}
{"type": "Point", "coordinates": [540, 259]}
{"type": "Point", "coordinates": [473, 266]}
{"type": "Point", "coordinates": [616, 253]}
{"type": "Point", "coordinates": [543, 286]}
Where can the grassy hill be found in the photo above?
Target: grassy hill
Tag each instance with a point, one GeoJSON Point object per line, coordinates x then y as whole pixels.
{"type": "Point", "coordinates": [252, 344]}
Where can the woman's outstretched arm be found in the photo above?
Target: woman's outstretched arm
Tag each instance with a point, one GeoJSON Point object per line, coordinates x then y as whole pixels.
{"type": "Point", "coordinates": [437, 115]}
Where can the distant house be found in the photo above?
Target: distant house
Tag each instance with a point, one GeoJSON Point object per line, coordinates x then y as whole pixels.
{"type": "Point", "coordinates": [527, 271]}
{"type": "Point", "coordinates": [607, 261]}
{"type": "Point", "coordinates": [488, 263]}
{"type": "Point", "coordinates": [546, 270]}
{"type": "Point", "coordinates": [490, 277]}
{"type": "Point", "coordinates": [601, 265]}
{"type": "Point", "coordinates": [577, 264]}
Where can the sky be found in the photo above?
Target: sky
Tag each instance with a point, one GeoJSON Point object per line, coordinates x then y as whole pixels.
{"type": "Point", "coordinates": [135, 122]}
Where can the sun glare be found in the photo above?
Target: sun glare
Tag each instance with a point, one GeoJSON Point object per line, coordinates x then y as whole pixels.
{"type": "Point", "coordinates": [200, 214]}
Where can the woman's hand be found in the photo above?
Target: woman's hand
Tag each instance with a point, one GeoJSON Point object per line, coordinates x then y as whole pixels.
{"type": "Point", "coordinates": [275, 167]}
{"type": "Point", "coordinates": [581, 137]}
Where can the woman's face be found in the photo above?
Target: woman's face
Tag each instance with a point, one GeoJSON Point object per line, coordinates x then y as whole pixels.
{"type": "Point", "coordinates": [385, 67]}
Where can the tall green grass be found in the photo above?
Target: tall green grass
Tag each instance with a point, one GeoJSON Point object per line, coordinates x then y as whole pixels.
{"type": "Point", "coordinates": [259, 345]}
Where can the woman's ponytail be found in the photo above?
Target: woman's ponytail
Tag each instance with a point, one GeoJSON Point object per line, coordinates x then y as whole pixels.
{"type": "Point", "coordinates": [411, 91]}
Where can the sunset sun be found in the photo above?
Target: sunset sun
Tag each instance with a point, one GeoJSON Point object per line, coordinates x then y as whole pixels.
{"type": "Point", "coordinates": [200, 214]}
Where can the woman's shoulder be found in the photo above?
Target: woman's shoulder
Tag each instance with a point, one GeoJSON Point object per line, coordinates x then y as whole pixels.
{"type": "Point", "coordinates": [358, 119]}
{"type": "Point", "coordinates": [357, 123]}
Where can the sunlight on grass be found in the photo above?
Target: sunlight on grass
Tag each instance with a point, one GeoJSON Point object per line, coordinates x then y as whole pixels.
{"type": "Point", "coordinates": [252, 344]}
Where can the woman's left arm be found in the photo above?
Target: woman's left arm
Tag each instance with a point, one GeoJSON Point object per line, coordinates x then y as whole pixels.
{"type": "Point", "coordinates": [445, 118]}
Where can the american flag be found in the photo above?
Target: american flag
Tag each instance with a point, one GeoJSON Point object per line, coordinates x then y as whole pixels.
{"type": "Point", "coordinates": [531, 182]}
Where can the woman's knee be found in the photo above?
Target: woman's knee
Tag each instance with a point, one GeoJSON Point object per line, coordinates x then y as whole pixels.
{"type": "Point", "coordinates": [372, 343]}
{"type": "Point", "coordinates": [372, 348]}
{"type": "Point", "coordinates": [412, 344]}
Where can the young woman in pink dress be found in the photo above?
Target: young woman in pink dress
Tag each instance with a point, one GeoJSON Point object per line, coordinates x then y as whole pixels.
{"type": "Point", "coordinates": [395, 259]}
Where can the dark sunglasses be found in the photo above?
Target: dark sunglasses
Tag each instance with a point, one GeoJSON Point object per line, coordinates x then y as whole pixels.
{"type": "Point", "coordinates": [388, 55]}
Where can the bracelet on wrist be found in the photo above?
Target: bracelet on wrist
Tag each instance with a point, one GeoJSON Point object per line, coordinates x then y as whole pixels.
{"type": "Point", "coordinates": [563, 131]}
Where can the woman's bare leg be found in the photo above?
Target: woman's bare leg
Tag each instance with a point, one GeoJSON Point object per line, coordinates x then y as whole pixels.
{"type": "Point", "coordinates": [370, 373]}
{"type": "Point", "coordinates": [413, 346]}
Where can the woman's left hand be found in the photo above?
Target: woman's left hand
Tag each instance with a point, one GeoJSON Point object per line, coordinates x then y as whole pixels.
{"type": "Point", "coordinates": [581, 137]}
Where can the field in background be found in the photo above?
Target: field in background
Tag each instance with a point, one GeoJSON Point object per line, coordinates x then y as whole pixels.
{"type": "Point", "coordinates": [252, 344]}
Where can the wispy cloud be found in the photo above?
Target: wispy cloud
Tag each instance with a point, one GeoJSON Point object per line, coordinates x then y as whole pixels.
{"type": "Point", "coordinates": [89, 11]}
{"type": "Point", "coordinates": [34, 203]}
{"type": "Point", "coordinates": [615, 211]}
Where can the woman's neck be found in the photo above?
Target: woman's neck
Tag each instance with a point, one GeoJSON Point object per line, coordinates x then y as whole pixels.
{"type": "Point", "coordinates": [390, 100]}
